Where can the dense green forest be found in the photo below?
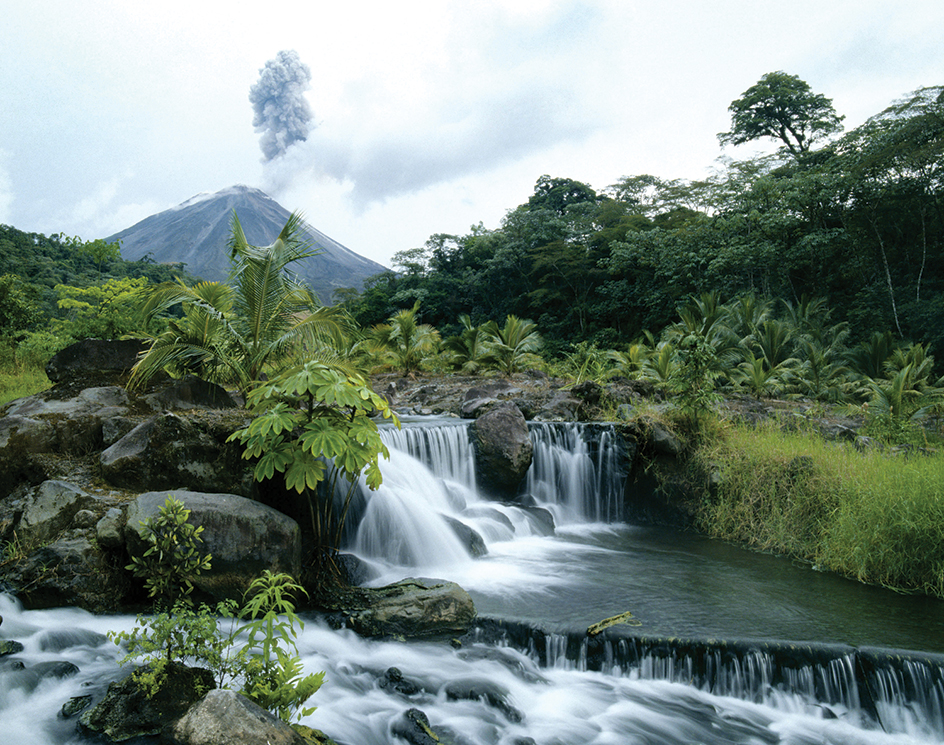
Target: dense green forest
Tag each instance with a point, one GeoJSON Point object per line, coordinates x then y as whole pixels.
{"type": "Point", "coordinates": [817, 270]}
{"type": "Point", "coordinates": [857, 222]}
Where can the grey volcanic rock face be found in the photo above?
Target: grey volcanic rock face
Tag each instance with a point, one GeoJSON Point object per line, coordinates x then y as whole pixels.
{"type": "Point", "coordinates": [196, 233]}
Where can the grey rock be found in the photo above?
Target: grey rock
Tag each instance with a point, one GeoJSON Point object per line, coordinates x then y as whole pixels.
{"type": "Point", "coordinates": [169, 452]}
{"type": "Point", "coordinates": [109, 531]}
{"type": "Point", "coordinates": [190, 393]}
{"type": "Point", "coordinates": [662, 441]}
{"type": "Point", "coordinates": [243, 537]}
{"type": "Point", "coordinates": [563, 407]}
{"type": "Point", "coordinates": [49, 510]}
{"type": "Point", "coordinates": [227, 718]}
{"type": "Point", "coordinates": [503, 450]}
{"type": "Point", "coordinates": [470, 537]}
{"type": "Point", "coordinates": [482, 689]}
{"type": "Point", "coordinates": [414, 727]}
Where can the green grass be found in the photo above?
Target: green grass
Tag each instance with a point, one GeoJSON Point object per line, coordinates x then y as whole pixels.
{"type": "Point", "coordinates": [877, 517]}
{"type": "Point", "coordinates": [18, 381]}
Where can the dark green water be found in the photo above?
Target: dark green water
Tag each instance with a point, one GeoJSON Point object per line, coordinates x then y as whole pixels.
{"type": "Point", "coordinates": [680, 584]}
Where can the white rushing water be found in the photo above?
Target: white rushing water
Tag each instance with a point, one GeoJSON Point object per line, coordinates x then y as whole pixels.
{"type": "Point", "coordinates": [539, 693]}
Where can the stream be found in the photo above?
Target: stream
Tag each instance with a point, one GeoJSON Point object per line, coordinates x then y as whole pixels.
{"type": "Point", "coordinates": [730, 647]}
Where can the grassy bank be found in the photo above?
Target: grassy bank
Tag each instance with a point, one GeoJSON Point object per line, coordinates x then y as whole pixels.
{"type": "Point", "coordinates": [874, 516]}
{"type": "Point", "coordinates": [17, 381]}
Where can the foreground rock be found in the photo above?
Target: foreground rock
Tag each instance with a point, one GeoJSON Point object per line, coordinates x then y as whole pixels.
{"type": "Point", "coordinates": [412, 608]}
{"type": "Point", "coordinates": [243, 537]}
{"type": "Point", "coordinates": [126, 712]}
{"type": "Point", "coordinates": [227, 718]}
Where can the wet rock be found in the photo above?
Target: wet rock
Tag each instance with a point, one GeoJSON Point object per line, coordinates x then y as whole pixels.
{"type": "Point", "coordinates": [353, 569]}
{"type": "Point", "coordinates": [109, 530]}
{"type": "Point", "coordinates": [70, 571]}
{"type": "Point", "coordinates": [8, 647]}
{"type": "Point", "coordinates": [411, 608]}
{"type": "Point", "coordinates": [56, 640]}
{"type": "Point", "coordinates": [190, 393]}
{"type": "Point", "coordinates": [55, 669]}
{"type": "Point", "coordinates": [393, 680]}
{"type": "Point", "coordinates": [75, 705]}
{"type": "Point", "coordinates": [470, 538]}
{"type": "Point", "coordinates": [414, 727]}
{"type": "Point", "coordinates": [228, 718]}
{"type": "Point", "coordinates": [481, 689]}
{"type": "Point", "coordinates": [126, 712]}
{"type": "Point", "coordinates": [562, 407]}
{"type": "Point", "coordinates": [243, 537]}
{"type": "Point", "coordinates": [503, 450]}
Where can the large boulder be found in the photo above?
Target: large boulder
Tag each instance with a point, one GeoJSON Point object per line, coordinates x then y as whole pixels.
{"type": "Point", "coordinates": [503, 450]}
{"type": "Point", "coordinates": [169, 452]}
{"type": "Point", "coordinates": [227, 718]}
{"type": "Point", "coordinates": [70, 571]}
{"type": "Point", "coordinates": [243, 538]}
{"type": "Point", "coordinates": [95, 360]}
{"type": "Point", "coordinates": [411, 608]}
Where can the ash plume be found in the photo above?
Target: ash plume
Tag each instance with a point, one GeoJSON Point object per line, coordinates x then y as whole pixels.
{"type": "Point", "coordinates": [280, 111]}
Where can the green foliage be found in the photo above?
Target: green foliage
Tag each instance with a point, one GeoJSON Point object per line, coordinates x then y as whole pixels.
{"type": "Point", "coordinates": [514, 345]}
{"type": "Point", "coordinates": [273, 672]}
{"type": "Point", "coordinates": [782, 107]}
{"type": "Point", "coordinates": [403, 341]}
{"type": "Point", "coordinates": [105, 311]}
{"type": "Point", "coordinates": [468, 351]}
{"type": "Point", "coordinates": [313, 425]}
{"type": "Point", "coordinates": [233, 332]}
{"type": "Point", "coordinates": [172, 558]}
{"type": "Point", "coordinates": [871, 516]}
{"type": "Point", "coordinates": [181, 634]}
{"type": "Point", "coordinates": [259, 655]}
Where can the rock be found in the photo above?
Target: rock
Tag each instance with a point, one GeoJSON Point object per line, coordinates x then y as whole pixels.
{"type": "Point", "coordinates": [8, 647]}
{"type": "Point", "coordinates": [354, 571]}
{"type": "Point", "coordinates": [56, 669]}
{"type": "Point", "coordinates": [470, 538]}
{"type": "Point", "coordinates": [243, 537]}
{"type": "Point", "coordinates": [49, 510]}
{"type": "Point", "coordinates": [172, 452]}
{"type": "Point", "coordinates": [109, 531]}
{"type": "Point", "coordinates": [69, 572]}
{"type": "Point", "coordinates": [393, 680]}
{"type": "Point", "coordinates": [481, 689]}
{"type": "Point", "coordinates": [563, 407]}
{"type": "Point", "coordinates": [126, 712]}
{"type": "Point", "coordinates": [74, 706]}
{"type": "Point", "coordinates": [412, 608]}
{"type": "Point", "coordinates": [95, 360]}
{"type": "Point", "coordinates": [57, 640]}
{"type": "Point", "coordinates": [414, 727]}
{"type": "Point", "coordinates": [190, 393]}
{"type": "Point", "coordinates": [661, 440]}
{"type": "Point", "coordinates": [228, 718]}
{"type": "Point", "coordinates": [503, 450]}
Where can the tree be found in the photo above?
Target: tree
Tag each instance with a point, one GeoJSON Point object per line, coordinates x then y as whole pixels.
{"type": "Point", "coordinates": [514, 345]}
{"type": "Point", "coordinates": [782, 107]}
{"type": "Point", "coordinates": [404, 341]}
{"type": "Point", "coordinates": [231, 332]}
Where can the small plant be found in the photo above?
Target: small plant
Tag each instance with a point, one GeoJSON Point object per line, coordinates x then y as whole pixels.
{"type": "Point", "coordinates": [182, 634]}
{"type": "Point", "coordinates": [172, 558]}
{"type": "Point", "coordinates": [273, 672]}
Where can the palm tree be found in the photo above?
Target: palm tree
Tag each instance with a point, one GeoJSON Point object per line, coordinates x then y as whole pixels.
{"type": "Point", "coordinates": [469, 349]}
{"type": "Point", "coordinates": [404, 341]}
{"type": "Point", "coordinates": [514, 345]}
{"type": "Point", "coordinates": [231, 332]}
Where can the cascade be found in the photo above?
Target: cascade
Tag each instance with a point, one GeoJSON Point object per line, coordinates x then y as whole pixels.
{"type": "Point", "coordinates": [561, 548]}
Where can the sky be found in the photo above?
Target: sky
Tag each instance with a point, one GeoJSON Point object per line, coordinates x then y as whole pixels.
{"type": "Point", "coordinates": [410, 118]}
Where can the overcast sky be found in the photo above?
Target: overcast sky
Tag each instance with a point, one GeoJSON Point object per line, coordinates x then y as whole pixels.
{"type": "Point", "coordinates": [425, 117]}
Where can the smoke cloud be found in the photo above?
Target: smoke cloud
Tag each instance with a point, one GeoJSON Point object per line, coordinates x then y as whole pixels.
{"type": "Point", "coordinates": [280, 111]}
